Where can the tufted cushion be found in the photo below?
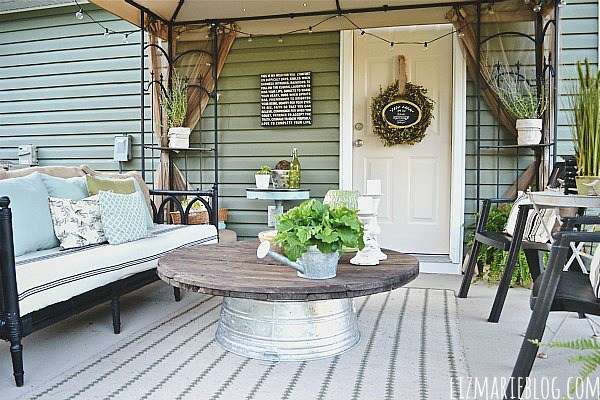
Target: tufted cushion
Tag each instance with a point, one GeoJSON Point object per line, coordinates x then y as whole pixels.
{"type": "Point", "coordinates": [124, 216]}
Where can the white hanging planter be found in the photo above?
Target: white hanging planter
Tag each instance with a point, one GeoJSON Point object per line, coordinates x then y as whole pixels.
{"type": "Point", "coordinates": [529, 131]}
{"type": "Point", "coordinates": [179, 137]}
{"type": "Point", "coordinates": [262, 181]}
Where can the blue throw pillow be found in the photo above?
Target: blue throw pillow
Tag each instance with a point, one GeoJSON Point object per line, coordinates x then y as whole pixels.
{"type": "Point", "coordinates": [124, 216]}
{"type": "Point", "coordinates": [31, 219]}
{"type": "Point", "coordinates": [66, 188]}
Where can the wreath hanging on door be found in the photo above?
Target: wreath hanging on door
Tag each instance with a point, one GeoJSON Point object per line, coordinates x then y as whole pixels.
{"type": "Point", "coordinates": [402, 112]}
{"type": "Point", "coordinates": [401, 118]}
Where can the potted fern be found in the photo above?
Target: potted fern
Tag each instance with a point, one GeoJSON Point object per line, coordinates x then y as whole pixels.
{"type": "Point", "coordinates": [519, 97]}
{"type": "Point", "coordinates": [263, 177]}
{"type": "Point", "coordinates": [586, 131]}
{"type": "Point", "coordinates": [174, 106]}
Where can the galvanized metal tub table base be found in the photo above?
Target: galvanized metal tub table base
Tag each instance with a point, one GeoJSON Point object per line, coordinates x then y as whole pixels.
{"type": "Point", "coordinates": [287, 330]}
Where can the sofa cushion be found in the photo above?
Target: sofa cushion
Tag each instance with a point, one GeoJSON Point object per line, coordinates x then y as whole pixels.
{"type": "Point", "coordinates": [32, 223]}
{"type": "Point", "coordinates": [95, 184]}
{"type": "Point", "coordinates": [51, 276]}
{"type": "Point", "coordinates": [124, 216]}
{"type": "Point", "coordinates": [65, 188]}
{"type": "Point", "coordinates": [77, 223]}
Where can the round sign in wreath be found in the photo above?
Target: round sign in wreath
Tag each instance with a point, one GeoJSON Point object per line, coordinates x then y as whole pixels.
{"type": "Point", "coordinates": [401, 118]}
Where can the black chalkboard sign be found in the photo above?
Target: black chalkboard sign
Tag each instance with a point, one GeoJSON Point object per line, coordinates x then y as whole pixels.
{"type": "Point", "coordinates": [401, 114]}
{"type": "Point", "coordinates": [285, 99]}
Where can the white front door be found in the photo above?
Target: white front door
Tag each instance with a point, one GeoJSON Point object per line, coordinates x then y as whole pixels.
{"type": "Point", "coordinates": [415, 179]}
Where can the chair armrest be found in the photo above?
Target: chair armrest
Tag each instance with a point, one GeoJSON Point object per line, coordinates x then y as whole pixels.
{"type": "Point", "coordinates": [171, 197]}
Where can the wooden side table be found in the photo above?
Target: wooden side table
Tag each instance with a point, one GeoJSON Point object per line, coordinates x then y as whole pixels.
{"type": "Point", "coordinates": [279, 196]}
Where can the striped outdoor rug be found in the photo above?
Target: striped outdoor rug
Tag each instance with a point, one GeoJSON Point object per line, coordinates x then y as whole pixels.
{"type": "Point", "coordinates": [410, 349]}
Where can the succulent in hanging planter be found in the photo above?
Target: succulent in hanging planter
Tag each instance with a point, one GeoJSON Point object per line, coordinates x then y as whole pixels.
{"type": "Point", "coordinates": [174, 105]}
{"type": "Point", "coordinates": [586, 129]}
{"type": "Point", "coordinates": [519, 97]}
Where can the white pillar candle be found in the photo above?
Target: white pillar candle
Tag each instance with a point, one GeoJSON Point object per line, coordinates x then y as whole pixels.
{"type": "Point", "coordinates": [373, 187]}
{"type": "Point", "coordinates": [365, 205]}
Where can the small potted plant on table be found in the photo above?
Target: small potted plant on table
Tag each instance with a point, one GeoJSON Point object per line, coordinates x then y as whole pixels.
{"type": "Point", "coordinates": [263, 177]}
{"type": "Point", "coordinates": [586, 131]}
{"type": "Point", "coordinates": [312, 235]}
{"type": "Point", "coordinates": [174, 106]}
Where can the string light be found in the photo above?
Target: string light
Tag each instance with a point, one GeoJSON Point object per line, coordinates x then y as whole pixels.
{"type": "Point", "coordinates": [310, 29]}
{"type": "Point", "coordinates": [490, 9]}
{"type": "Point", "coordinates": [81, 14]}
{"type": "Point", "coordinates": [425, 46]}
{"type": "Point", "coordinates": [250, 39]}
{"type": "Point", "coordinates": [280, 39]}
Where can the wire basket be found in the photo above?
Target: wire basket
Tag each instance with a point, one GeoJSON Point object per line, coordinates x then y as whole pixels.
{"type": "Point", "coordinates": [198, 217]}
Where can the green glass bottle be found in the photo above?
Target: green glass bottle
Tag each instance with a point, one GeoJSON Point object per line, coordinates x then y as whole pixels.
{"type": "Point", "coordinates": [294, 176]}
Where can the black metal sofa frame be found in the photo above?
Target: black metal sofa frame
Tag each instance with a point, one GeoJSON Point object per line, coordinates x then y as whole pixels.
{"type": "Point", "coordinates": [14, 327]}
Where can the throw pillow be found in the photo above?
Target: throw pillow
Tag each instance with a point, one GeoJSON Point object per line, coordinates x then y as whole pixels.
{"type": "Point", "coordinates": [122, 186]}
{"type": "Point", "coordinates": [66, 188]}
{"type": "Point", "coordinates": [32, 223]}
{"type": "Point", "coordinates": [77, 223]}
{"type": "Point", "coordinates": [124, 216]}
{"type": "Point", "coordinates": [539, 224]}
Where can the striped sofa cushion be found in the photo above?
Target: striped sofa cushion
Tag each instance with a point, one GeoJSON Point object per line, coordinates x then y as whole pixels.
{"type": "Point", "coordinates": [51, 276]}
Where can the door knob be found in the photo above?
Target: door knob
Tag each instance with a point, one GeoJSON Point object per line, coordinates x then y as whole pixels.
{"type": "Point", "coordinates": [357, 143]}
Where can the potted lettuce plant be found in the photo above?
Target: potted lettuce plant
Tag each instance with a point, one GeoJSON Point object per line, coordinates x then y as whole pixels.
{"type": "Point", "coordinates": [312, 235]}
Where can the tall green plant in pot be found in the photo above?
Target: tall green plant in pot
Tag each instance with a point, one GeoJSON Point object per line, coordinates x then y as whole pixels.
{"type": "Point", "coordinates": [519, 97]}
{"type": "Point", "coordinates": [174, 105]}
{"type": "Point", "coordinates": [586, 127]}
{"type": "Point", "coordinates": [312, 236]}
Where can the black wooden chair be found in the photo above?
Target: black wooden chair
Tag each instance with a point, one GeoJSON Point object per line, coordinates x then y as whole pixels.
{"type": "Point", "coordinates": [505, 242]}
{"type": "Point", "coordinates": [555, 290]}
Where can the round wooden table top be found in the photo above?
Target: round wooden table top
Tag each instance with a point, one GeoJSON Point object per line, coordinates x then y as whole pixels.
{"type": "Point", "coordinates": [233, 270]}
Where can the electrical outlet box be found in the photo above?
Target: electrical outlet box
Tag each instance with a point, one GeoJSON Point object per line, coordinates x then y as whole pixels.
{"type": "Point", "coordinates": [27, 154]}
{"type": "Point", "coordinates": [123, 148]}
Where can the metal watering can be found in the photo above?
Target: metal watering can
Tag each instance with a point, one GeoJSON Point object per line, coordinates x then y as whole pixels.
{"type": "Point", "coordinates": [311, 265]}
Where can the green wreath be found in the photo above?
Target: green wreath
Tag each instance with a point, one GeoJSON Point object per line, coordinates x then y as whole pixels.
{"type": "Point", "coordinates": [391, 135]}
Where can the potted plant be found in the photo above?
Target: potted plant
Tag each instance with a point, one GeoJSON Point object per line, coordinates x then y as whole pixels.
{"type": "Point", "coordinates": [586, 132]}
{"type": "Point", "coordinates": [263, 177]}
{"type": "Point", "coordinates": [174, 106]}
{"type": "Point", "coordinates": [314, 233]}
{"type": "Point", "coordinates": [520, 98]}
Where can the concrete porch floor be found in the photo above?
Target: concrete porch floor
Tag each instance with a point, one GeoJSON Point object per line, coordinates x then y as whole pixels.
{"type": "Point", "coordinates": [491, 349]}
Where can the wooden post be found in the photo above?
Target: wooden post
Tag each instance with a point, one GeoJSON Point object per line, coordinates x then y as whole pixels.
{"type": "Point", "coordinates": [401, 74]}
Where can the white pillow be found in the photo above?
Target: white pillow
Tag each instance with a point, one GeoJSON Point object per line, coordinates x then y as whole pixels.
{"type": "Point", "coordinates": [77, 223]}
{"type": "Point", "coordinates": [539, 224]}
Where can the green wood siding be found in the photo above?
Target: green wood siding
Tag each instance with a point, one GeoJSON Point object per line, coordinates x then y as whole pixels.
{"type": "Point", "coordinates": [245, 145]}
{"type": "Point", "coordinates": [66, 88]}
{"type": "Point", "coordinates": [69, 90]}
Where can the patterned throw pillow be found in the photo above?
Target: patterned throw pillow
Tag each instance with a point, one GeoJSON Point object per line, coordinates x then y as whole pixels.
{"type": "Point", "coordinates": [539, 225]}
{"type": "Point", "coordinates": [77, 223]}
{"type": "Point", "coordinates": [124, 216]}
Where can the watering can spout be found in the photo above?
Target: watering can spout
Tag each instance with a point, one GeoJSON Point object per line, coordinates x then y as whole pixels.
{"type": "Point", "coordinates": [264, 249]}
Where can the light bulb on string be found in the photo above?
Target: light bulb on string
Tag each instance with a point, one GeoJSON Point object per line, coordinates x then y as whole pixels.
{"type": "Point", "coordinates": [125, 41]}
{"type": "Point", "coordinates": [537, 8]}
{"type": "Point", "coordinates": [362, 33]}
{"type": "Point", "coordinates": [490, 10]}
{"type": "Point", "coordinates": [106, 33]}
{"type": "Point", "coordinates": [391, 45]}
{"type": "Point", "coordinates": [461, 34]}
{"type": "Point", "coordinates": [425, 46]}
{"type": "Point", "coordinates": [562, 3]}
{"type": "Point", "coordinates": [250, 39]}
{"type": "Point", "coordinates": [280, 39]}
{"type": "Point", "coordinates": [310, 29]}
{"type": "Point", "coordinates": [79, 14]}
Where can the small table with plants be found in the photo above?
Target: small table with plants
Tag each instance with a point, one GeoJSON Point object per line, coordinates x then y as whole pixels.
{"type": "Point", "coordinates": [272, 312]}
{"type": "Point", "coordinates": [279, 196]}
